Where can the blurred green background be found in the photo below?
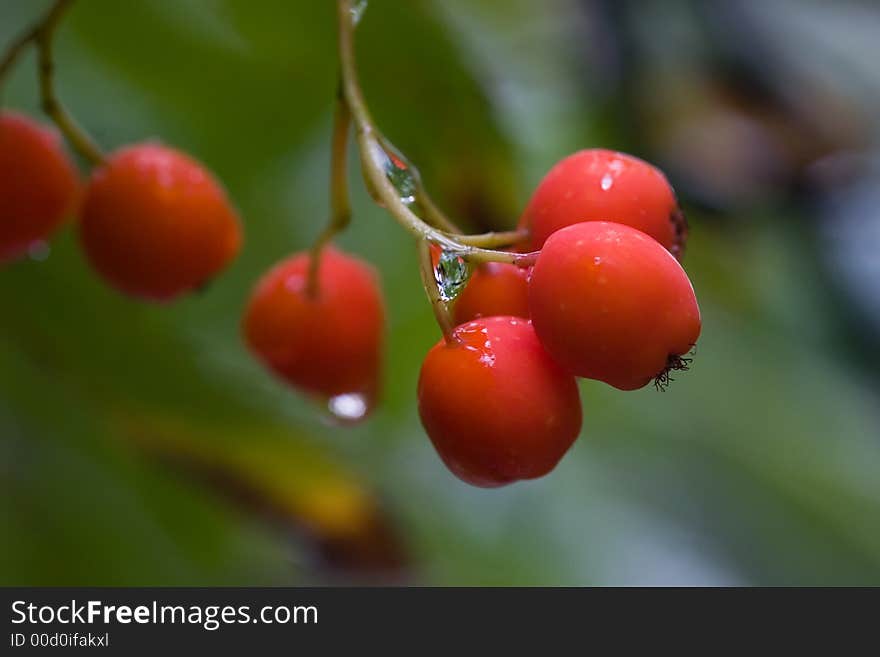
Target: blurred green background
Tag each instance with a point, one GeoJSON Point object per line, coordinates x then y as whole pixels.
{"type": "Point", "coordinates": [142, 445]}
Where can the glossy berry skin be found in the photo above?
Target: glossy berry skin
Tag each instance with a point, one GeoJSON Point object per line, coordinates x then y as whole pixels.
{"type": "Point", "coordinates": [495, 288]}
{"type": "Point", "coordinates": [38, 184]}
{"type": "Point", "coordinates": [328, 344]}
{"type": "Point", "coordinates": [496, 406]}
{"type": "Point", "coordinates": [155, 223]}
{"type": "Point", "coordinates": [603, 185]}
{"type": "Point", "coordinates": [609, 303]}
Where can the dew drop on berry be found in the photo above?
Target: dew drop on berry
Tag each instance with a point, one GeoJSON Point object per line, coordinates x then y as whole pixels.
{"type": "Point", "coordinates": [348, 408]}
{"type": "Point", "coordinates": [452, 274]}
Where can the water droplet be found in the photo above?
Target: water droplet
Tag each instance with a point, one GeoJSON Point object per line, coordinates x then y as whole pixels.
{"type": "Point", "coordinates": [348, 407]}
{"type": "Point", "coordinates": [357, 9]}
{"type": "Point", "coordinates": [607, 182]}
{"type": "Point", "coordinates": [452, 274]}
{"type": "Point", "coordinates": [39, 251]}
{"type": "Point", "coordinates": [400, 173]}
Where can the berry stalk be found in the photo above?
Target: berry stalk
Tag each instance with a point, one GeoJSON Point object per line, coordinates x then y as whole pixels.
{"type": "Point", "coordinates": [495, 239]}
{"type": "Point", "coordinates": [340, 205]}
{"type": "Point", "coordinates": [373, 153]}
{"type": "Point", "coordinates": [42, 35]}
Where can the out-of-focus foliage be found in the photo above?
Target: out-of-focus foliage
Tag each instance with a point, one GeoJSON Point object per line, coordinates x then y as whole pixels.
{"type": "Point", "coordinates": [141, 444]}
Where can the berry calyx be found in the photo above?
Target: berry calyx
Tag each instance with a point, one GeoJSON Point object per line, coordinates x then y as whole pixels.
{"type": "Point", "coordinates": [609, 303]}
{"type": "Point", "coordinates": [495, 405]}
{"type": "Point", "coordinates": [38, 184]}
{"type": "Point", "coordinates": [495, 288]}
{"type": "Point", "coordinates": [603, 185]}
{"type": "Point", "coordinates": [328, 343]}
{"type": "Point", "coordinates": [155, 223]}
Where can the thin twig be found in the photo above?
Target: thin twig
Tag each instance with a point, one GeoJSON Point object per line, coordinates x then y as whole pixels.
{"type": "Point", "coordinates": [340, 206]}
{"type": "Point", "coordinates": [495, 239]}
{"type": "Point", "coordinates": [44, 37]}
{"type": "Point", "coordinates": [373, 154]}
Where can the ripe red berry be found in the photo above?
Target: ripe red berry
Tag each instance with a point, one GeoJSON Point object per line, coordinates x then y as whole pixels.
{"type": "Point", "coordinates": [155, 223]}
{"type": "Point", "coordinates": [609, 303]}
{"type": "Point", "coordinates": [495, 405]}
{"type": "Point", "coordinates": [329, 344]}
{"type": "Point", "coordinates": [495, 288]}
{"type": "Point", "coordinates": [38, 184]}
{"type": "Point", "coordinates": [603, 185]}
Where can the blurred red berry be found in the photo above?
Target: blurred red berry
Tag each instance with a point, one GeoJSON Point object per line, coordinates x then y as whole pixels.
{"type": "Point", "coordinates": [603, 185]}
{"type": "Point", "coordinates": [609, 303]}
{"type": "Point", "coordinates": [496, 406]}
{"type": "Point", "coordinates": [495, 288]}
{"type": "Point", "coordinates": [155, 223]}
{"type": "Point", "coordinates": [38, 184]}
{"type": "Point", "coordinates": [329, 344]}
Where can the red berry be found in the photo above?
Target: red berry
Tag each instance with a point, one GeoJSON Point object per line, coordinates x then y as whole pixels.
{"type": "Point", "coordinates": [602, 185]}
{"type": "Point", "coordinates": [155, 223]}
{"type": "Point", "coordinates": [609, 303]}
{"type": "Point", "coordinates": [38, 184]}
{"type": "Point", "coordinates": [495, 288]}
{"type": "Point", "coordinates": [495, 405]}
{"type": "Point", "coordinates": [330, 344]}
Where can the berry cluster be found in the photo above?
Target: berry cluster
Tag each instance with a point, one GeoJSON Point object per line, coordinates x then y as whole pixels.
{"type": "Point", "coordinates": [606, 298]}
{"type": "Point", "coordinates": [152, 221]}
{"type": "Point", "coordinates": [589, 285]}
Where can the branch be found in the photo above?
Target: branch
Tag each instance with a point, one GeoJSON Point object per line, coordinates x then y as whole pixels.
{"type": "Point", "coordinates": [374, 154]}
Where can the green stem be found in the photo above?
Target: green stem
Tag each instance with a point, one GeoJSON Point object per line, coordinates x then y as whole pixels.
{"type": "Point", "coordinates": [44, 36]}
{"type": "Point", "coordinates": [373, 156]}
{"type": "Point", "coordinates": [440, 308]}
{"type": "Point", "coordinates": [340, 206]}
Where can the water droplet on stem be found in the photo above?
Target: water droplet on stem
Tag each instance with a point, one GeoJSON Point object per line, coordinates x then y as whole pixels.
{"type": "Point", "coordinates": [452, 274]}
{"type": "Point", "coordinates": [357, 9]}
{"type": "Point", "coordinates": [400, 173]}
